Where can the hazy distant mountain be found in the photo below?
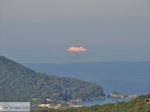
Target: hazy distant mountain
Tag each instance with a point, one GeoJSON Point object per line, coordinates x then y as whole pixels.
{"type": "Point", "coordinates": [18, 83]}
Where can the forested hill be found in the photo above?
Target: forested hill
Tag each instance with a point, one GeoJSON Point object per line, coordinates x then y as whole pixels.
{"type": "Point", "coordinates": [18, 83]}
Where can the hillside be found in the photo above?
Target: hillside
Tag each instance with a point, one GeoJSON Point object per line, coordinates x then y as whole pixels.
{"type": "Point", "coordinates": [137, 105]}
{"type": "Point", "coordinates": [18, 83]}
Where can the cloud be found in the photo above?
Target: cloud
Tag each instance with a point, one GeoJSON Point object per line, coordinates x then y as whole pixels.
{"type": "Point", "coordinates": [77, 49]}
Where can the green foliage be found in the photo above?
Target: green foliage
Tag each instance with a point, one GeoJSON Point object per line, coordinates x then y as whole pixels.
{"type": "Point", "coordinates": [136, 105]}
{"type": "Point", "coordinates": [18, 83]}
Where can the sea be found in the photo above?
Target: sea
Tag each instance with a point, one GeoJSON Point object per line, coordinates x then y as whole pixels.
{"type": "Point", "coordinates": [132, 78]}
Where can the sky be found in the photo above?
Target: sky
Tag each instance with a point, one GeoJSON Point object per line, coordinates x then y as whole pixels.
{"type": "Point", "coordinates": [41, 31]}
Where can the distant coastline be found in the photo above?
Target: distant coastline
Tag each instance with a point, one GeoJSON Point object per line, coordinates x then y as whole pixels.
{"type": "Point", "coordinates": [125, 77]}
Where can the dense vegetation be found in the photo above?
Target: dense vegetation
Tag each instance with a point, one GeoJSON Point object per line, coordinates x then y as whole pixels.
{"type": "Point", "coordinates": [18, 83]}
{"type": "Point", "coordinates": [137, 105]}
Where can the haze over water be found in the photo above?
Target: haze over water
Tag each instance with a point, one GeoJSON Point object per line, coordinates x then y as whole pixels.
{"type": "Point", "coordinates": [40, 31]}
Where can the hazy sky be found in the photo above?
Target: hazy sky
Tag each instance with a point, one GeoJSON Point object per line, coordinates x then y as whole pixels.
{"type": "Point", "coordinates": [41, 31]}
